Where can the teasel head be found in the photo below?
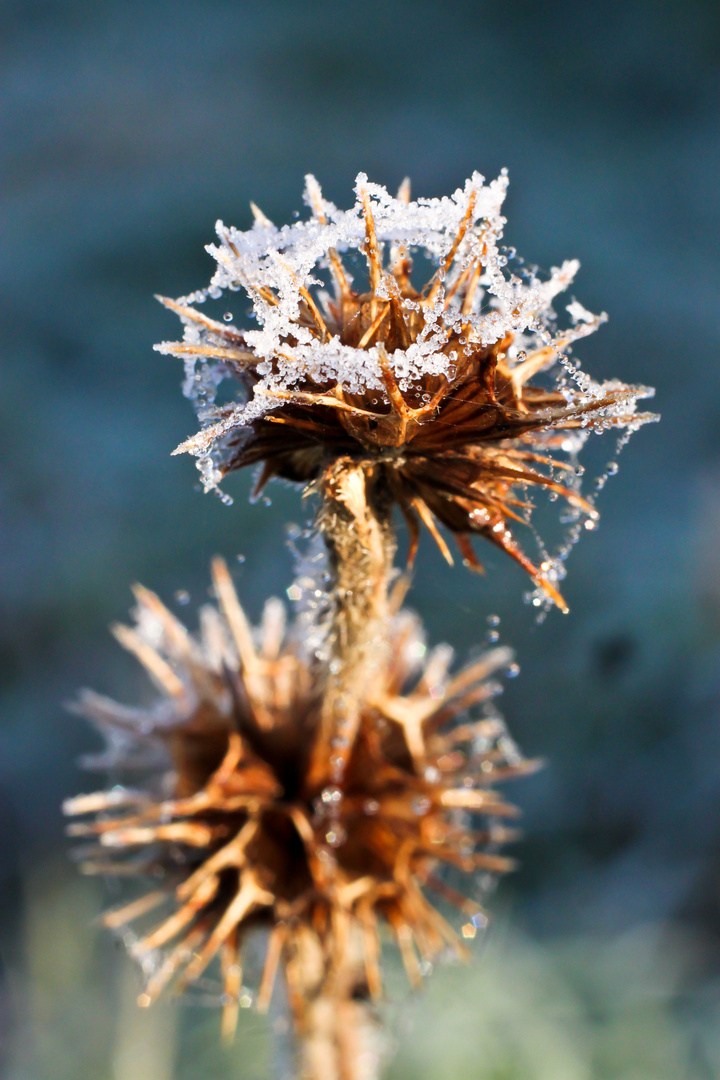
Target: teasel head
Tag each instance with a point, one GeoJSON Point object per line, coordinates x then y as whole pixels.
{"type": "Point", "coordinates": [223, 831]}
{"type": "Point", "coordinates": [457, 396]}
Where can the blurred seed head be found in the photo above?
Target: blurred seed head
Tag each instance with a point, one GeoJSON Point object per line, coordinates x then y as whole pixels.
{"type": "Point", "coordinates": [220, 833]}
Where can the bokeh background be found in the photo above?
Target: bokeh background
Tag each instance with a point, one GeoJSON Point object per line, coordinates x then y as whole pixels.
{"type": "Point", "coordinates": [127, 129]}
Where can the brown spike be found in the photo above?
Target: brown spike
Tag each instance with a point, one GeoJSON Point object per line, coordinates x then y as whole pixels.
{"type": "Point", "coordinates": [371, 244]}
{"type": "Point", "coordinates": [429, 521]}
{"type": "Point", "coordinates": [276, 944]}
{"type": "Point", "coordinates": [234, 614]}
{"type": "Point", "coordinates": [158, 668]}
{"type": "Point", "coordinates": [450, 258]}
{"type": "Point", "coordinates": [231, 968]}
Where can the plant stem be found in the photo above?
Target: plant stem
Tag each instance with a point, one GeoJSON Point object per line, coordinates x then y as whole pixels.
{"type": "Point", "coordinates": [355, 521]}
{"type": "Point", "coordinates": [338, 1034]}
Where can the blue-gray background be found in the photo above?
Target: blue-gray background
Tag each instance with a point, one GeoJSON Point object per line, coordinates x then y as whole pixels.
{"type": "Point", "coordinates": [127, 129]}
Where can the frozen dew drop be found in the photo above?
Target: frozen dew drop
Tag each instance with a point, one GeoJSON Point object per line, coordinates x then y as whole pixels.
{"type": "Point", "coordinates": [337, 767]}
{"type": "Point", "coordinates": [336, 836]}
{"type": "Point", "coordinates": [612, 468]}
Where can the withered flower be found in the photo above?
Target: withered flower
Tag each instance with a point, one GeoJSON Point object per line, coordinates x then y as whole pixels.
{"type": "Point", "coordinates": [230, 833]}
{"type": "Point", "coordinates": [432, 389]}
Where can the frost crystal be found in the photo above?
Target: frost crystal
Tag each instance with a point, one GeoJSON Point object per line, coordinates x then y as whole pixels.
{"type": "Point", "coordinates": [350, 359]}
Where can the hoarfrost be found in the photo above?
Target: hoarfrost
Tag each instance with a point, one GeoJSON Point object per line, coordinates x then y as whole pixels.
{"type": "Point", "coordinates": [283, 269]}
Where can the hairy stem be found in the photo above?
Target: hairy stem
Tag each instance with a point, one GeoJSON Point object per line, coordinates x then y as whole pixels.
{"type": "Point", "coordinates": [355, 521]}
{"type": "Point", "coordinates": [338, 1035]}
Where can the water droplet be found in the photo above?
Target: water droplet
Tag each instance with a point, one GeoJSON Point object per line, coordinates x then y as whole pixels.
{"type": "Point", "coordinates": [493, 620]}
{"type": "Point", "coordinates": [337, 766]}
{"type": "Point", "coordinates": [420, 805]}
{"type": "Point", "coordinates": [493, 636]}
{"type": "Point", "coordinates": [182, 596]}
{"type": "Point", "coordinates": [330, 795]}
{"type": "Point", "coordinates": [514, 669]}
{"type": "Point", "coordinates": [336, 836]}
{"type": "Point", "coordinates": [612, 468]}
{"type": "Point", "coordinates": [371, 807]}
{"type": "Point", "coordinates": [240, 559]}
{"type": "Point", "coordinates": [228, 316]}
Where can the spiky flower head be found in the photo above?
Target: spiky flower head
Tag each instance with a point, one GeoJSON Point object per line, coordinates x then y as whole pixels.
{"type": "Point", "coordinates": [432, 385]}
{"type": "Point", "coordinates": [229, 834]}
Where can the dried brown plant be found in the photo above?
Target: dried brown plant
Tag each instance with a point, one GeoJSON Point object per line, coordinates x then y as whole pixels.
{"type": "Point", "coordinates": [433, 393]}
{"type": "Point", "coordinates": [325, 793]}
{"type": "Point", "coordinates": [229, 834]}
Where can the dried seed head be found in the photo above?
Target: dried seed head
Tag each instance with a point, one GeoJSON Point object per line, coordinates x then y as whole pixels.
{"type": "Point", "coordinates": [230, 835]}
{"type": "Point", "coordinates": [434, 386]}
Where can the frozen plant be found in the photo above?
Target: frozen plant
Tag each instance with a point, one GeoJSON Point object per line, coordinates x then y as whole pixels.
{"type": "Point", "coordinates": [327, 781]}
{"type": "Point", "coordinates": [430, 391]}
{"type": "Point", "coordinates": [233, 836]}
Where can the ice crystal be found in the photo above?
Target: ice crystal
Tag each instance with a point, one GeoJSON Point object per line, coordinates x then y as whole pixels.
{"type": "Point", "coordinates": [432, 387]}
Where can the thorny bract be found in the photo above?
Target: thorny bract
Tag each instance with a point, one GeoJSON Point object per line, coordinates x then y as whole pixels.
{"type": "Point", "coordinates": [434, 386]}
{"type": "Point", "coordinates": [226, 822]}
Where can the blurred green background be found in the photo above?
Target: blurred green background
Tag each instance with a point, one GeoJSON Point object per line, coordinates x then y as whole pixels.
{"type": "Point", "coordinates": [127, 129]}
